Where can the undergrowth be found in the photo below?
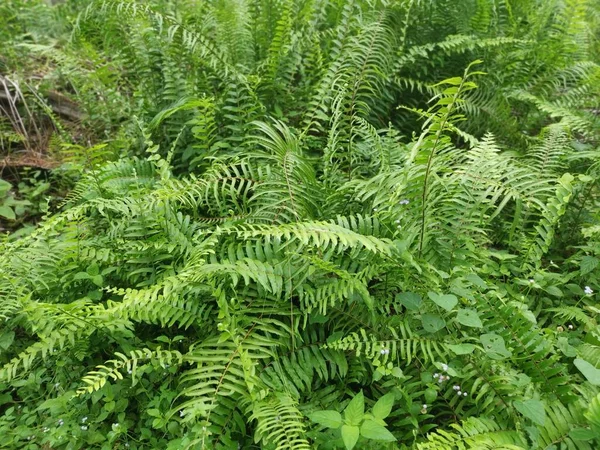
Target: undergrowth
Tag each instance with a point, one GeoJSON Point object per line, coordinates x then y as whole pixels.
{"type": "Point", "coordinates": [303, 224]}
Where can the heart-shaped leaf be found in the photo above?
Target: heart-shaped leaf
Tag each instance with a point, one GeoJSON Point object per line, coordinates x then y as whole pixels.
{"type": "Point", "coordinates": [446, 301]}
{"type": "Point", "coordinates": [409, 300]}
{"type": "Point", "coordinates": [494, 346]}
{"type": "Point", "coordinates": [432, 322]}
{"type": "Point", "coordinates": [469, 318]}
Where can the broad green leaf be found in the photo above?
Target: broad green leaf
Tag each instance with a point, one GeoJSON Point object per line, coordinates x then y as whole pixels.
{"type": "Point", "coordinates": [582, 434]}
{"type": "Point", "coordinates": [372, 430]}
{"type": "Point", "coordinates": [97, 280]}
{"type": "Point", "coordinates": [554, 291]}
{"type": "Point", "coordinates": [81, 276]}
{"type": "Point", "coordinates": [588, 263]}
{"type": "Point", "coordinates": [383, 407]}
{"type": "Point", "coordinates": [7, 212]}
{"type": "Point", "coordinates": [494, 346]}
{"type": "Point", "coordinates": [355, 410]}
{"type": "Point", "coordinates": [564, 346]}
{"type": "Point", "coordinates": [397, 372]}
{"type": "Point", "coordinates": [469, 318]}
{"type": "Point", "coordinates": [446, 301]}
{"type": "Point", "coordinates": [350, 436]}
{"type": "Point", "coordinates": [532, 409]}
{"type": "Point", "coordinates": [93, 270]}
{"type": "Point", "coordinates": [329, 419]}
{"type": "Point", "coordinates": [476, 280]}
{"type": "Point", "coordinates": [6, 339]}
{"type": "Point", "coordinates": [432, 322]}
{"type": "Point", "coordinates": [462, 349]}
{"type": "Point", "coordinates": [4, 187]}
{"type": "Point", "coordinates": [430, 395]}
{"type": "Point", "coordinates": [589, 371]}
{"type": "Point", "coordinates": [409, 300]}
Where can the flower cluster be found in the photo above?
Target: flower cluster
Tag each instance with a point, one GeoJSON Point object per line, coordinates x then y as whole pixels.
{"type": "Point", "coordinates": [588, 290]}
{"type": "Point", "coordinates": [458, 390]}
{"type": "Point", "coordinates": [441, 377]}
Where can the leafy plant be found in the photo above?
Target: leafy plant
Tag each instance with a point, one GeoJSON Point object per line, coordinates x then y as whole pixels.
{"type": "Point", "coordinates": [330, 225]}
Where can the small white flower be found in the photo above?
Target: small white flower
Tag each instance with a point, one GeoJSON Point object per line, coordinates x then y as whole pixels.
{"type": "Point", "coordinates": [570, 327]}
{"type": "Point", "coordinates": [84, 419]}
{"type": "Point", "coordinates": [181, 413]}
{"type": "Point", "coordinates": [588, 290]}
{"type": "Point", "coordinates": [531, 281]}
{"type": "Point", "coordinates": [459, 393]}
{"type": "Point", "coordinates": [441, 380]}
{"type": "Point", "coordinates": [398, 221]}
{"type": "Point", "coordinates": [456, 388]}
{"type": "Point", "coordinates": [445, 367]}
{"type": "Point", "coordinates": [84, 427]}
{"type": "Point", "coordinates": [375, 209]}
{"type": "Point", "coordinates": [382, 351]}
{"type": "Point", "coordinates": [115, 425]}
{"type": "Point", "coordinates": [46, 429]}
{"type": "Point", "coordinates": [435, 375]}
{"type": "Point", "coordinates": [464, 394]}
{"type": "Point", "coordinates": [424, 406]}
{"type": "Point", "coordinates": [129, 372]}
{"type": "Point", "coordinates": [404, 202]}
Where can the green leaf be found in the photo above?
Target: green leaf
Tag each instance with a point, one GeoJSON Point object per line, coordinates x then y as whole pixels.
{"type": "Point", "coordinates": [553, 290]}
{"type": "Point", "coordinates": [4, 187]}
{"type": "Point", "coordinates": [6, 339]}
{"type": "Point", "coordinates": [432, 322]}
{"type": "Point", "coordinates": [329, 419]}
{"type": "Point", "coordinates": [383, 407]}
{"type": "Point", "coordinates": [350, 436]}
{"type": "Point", "coordinates": [454, 81]}
{"type": "Point", "coordinates": [7, 212]}
{"type": "Point", "coordinates": [355, 410]}
{"type": "Point", "coordinates": [588, 263]}
{"type": "Point", "coordinates": [372, 430]}
{"type": "Point", "coordinates": [532, 409]}
{"type": "Point", "coordinates": [564, 346]}
{"type": "Point", "coordinates": [462, 349]}
{"type": "Point", "coordinates": [430, 395]}
{"type": "Point", "coordinates": [409, 300]}
{"type": "Point", "coordinates": [93, 270]}
{"type": "Point", "coordinates": [81, 276]}
{"type": "Point", "coordinates": [590, 372]}
{"type": "Point", "coordinates": [446, 301]}
{"type": "Point", "coordinates": [582, 434]}
{"type": "Point", "coordinates": [397, 372]}
{"type": "Point", "coordinates": [97, 280]}
{"type": "Point", "coordinates": [469, 318]}
{"type": "Point", "coordinates": [494, 346]}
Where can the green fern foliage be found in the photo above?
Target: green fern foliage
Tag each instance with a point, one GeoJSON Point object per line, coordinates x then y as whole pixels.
{"type": "Point", "coordinates": [293, 225]}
